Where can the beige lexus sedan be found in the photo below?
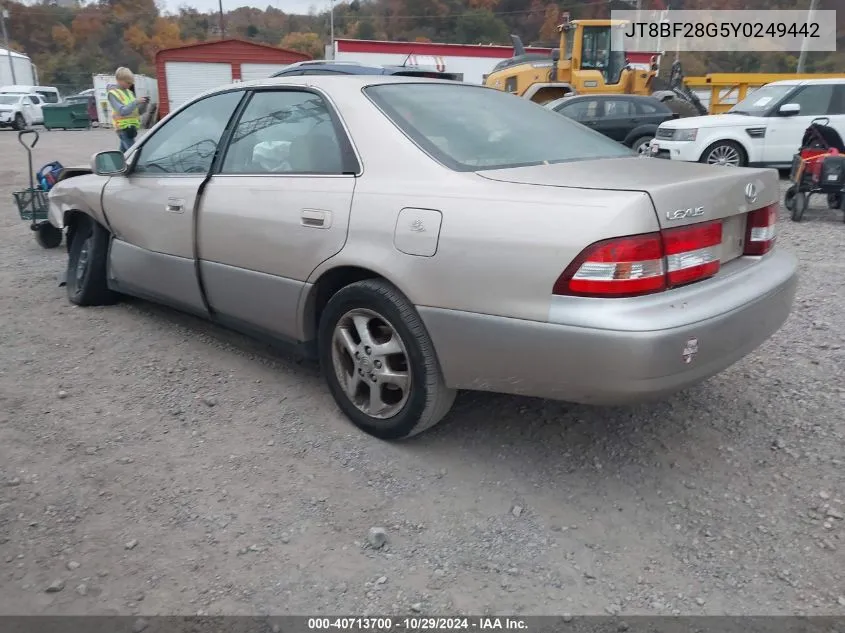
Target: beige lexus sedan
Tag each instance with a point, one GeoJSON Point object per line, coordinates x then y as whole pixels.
{"type": "Point", "coordinates": [419, 237]}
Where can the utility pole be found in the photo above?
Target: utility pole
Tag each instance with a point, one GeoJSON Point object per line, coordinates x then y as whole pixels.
{"type": "Point", "coordinates": [222, 27]}
{"type": "Point", "coordinates": [802, 59]}
{"type": "Point", "coordinates": [331, 24]}
{"type": "Point", "coordinates": [4, 14]}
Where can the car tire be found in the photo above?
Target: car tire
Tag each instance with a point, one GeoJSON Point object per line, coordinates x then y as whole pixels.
{"type": "Point", "coordinates": [20, 122]}
{"type": "Point", "coordinates": [789, 198]}
{"type": "Point", "coordinates": [87, 264]}
{"type": "Point", "coordinates": [640, 146]}
{"type": "Point", "coordinates": [834, 200]}
{"type": "Point", "coordinates": [799, 206]}
{"type": "Point", "coordinates": [721, 150]}
{"type": "Point", "coordinates": [48, 236]}
{"type": "Point", "coordinates": [682, 107]}
{"type": "Point", "coordinates": [374, 311]}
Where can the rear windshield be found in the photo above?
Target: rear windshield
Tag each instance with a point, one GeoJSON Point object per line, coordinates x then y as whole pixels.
{"type": "Point", "coordinates": [48, 96]}
{"type": "Point", "coordinates": [472, 128]}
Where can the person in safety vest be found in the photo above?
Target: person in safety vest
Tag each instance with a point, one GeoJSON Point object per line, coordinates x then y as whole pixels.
{"type": "Point", "coordinates": [126, 108]}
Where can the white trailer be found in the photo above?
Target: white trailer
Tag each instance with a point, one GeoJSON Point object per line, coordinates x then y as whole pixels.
{"type": "Point", "coordinates": [24, 70]}
{"type": "Point", "coordinates": [144, 87]}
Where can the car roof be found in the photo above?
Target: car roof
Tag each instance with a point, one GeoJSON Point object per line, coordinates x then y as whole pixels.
{"type": "Point", "coordinates": [807, 82]}
{"type": "Point", "coordinates": [610, 94]}
{"type": "Point", "coordinates": [355, 82]}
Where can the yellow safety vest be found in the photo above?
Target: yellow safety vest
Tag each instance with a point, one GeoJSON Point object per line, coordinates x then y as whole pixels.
{"type": "Point", "coordinates": [130, 120]}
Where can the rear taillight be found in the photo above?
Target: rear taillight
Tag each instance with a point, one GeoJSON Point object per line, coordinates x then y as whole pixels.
{"type": "Point", "coordinates": [622, 267]}
{"type": "Point", "coordinates": [692, 252]}
{"type": "Point", "coordinates": [760, 230]}
{"type": "Point", "coordinates": [643, 264]}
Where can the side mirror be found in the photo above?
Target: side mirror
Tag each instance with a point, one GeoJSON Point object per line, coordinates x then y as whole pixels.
{"type": "Point", "coordinates": [109, 163]}
{"type": "Point", "coordinates": [789, 109]}
{"type": "Point", "coordinates": [555, 54]}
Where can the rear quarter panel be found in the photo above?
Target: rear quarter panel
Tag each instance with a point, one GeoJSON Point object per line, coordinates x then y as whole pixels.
{"type": "Point", "coordinates": [501, 246]}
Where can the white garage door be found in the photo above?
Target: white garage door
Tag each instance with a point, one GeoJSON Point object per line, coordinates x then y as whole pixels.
{"type": "Point", "coordinates": [186, 80]}
{"type": "Point", "coordinates": [259, 71]}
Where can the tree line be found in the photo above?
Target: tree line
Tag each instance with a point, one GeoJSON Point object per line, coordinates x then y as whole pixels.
{"type": "Point", "coordinates": [69, 42]}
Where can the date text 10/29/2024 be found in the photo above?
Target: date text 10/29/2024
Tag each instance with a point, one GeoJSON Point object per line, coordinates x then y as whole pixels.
{"type": "Point", "coordinates": [408, 624]}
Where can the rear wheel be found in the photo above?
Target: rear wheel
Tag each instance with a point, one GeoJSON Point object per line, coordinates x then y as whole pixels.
{"type": "Point", "coordinates": [725, 153]}
{"type": "Point", "coordinates": [682, 108]}
{"type": "Point", "coordinates": [834, 200]}
{"type": "Point", "coordinates": [789, 198]}
{"type": "Point", "coordinates": [379, 362]}
{"type": "Point", "coordinates": [799, 206]}
{"type": "Point", "coordinates": [86, 265]}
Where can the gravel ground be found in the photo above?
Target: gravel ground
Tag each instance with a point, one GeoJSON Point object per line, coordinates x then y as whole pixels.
{"type": "Point", "coordinates": [152, 464]}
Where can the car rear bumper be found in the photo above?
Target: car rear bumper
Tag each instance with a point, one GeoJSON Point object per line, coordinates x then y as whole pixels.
{"type": "Point", "coordinates": [619, 351]}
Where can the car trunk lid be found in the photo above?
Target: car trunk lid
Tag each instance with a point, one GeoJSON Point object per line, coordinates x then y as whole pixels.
{"type": "Point", "coordinates": [682, 193]}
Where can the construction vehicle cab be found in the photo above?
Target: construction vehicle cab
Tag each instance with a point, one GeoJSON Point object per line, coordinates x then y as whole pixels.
{"type": "Point", "coordinates": [591, 58]}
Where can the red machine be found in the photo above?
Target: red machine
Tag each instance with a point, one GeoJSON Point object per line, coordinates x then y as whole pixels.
{"type": "Point", "coordinates": [818, 167]}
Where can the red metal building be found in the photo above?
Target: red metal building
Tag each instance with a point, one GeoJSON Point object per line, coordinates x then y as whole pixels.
{"type": "Point", "coordinates": [185, 71]}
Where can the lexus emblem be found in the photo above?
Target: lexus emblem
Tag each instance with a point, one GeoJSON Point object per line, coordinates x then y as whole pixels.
{"type": "Point", "coordinates": [751, 192]}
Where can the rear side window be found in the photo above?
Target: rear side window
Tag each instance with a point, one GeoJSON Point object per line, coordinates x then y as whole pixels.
{"type": "Point", "coordinates": [837, 105]}
{"type": "Point", "coordinates": [616, 108]}
{"type": "Point", "coordinates": [651, 107]}
{"type": "Point", "coordinates": [471, 128]}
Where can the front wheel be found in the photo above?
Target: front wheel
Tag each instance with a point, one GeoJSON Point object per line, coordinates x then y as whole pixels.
{"type": "Point", "coordinates": [20, 122]}
{"type": "Point", "coordinates": [86, 265]}
{"type": "Point", "coordinates": [641, 145]}
{"type": "Point", "coordinates": [725, 153]}
{"type": "Point", "coordinates": [379, 362]}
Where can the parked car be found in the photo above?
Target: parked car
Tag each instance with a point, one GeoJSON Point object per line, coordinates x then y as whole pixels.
{"type": "Point", "coordinates": [630, 119]}
{"type": "Point", "coordinates": [20, 111]}
{"type": "Point", "coordinates": [331, 67]}
{"type": "Point", "coordinates": [48, 94]}
{"type": "Point", "coordinates": [764, 129]}
{"type": "Point", "coordinates": [423, 236]}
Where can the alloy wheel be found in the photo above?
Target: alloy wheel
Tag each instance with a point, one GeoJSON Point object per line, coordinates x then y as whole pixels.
{"type": "Point", "coordinates": [371, 363]}
{"type": "Point", "coordinates": [724, 155]}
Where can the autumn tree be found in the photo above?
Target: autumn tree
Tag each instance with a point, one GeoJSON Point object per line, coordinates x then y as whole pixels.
{"type": "Point", "coordinates": [308, 43]}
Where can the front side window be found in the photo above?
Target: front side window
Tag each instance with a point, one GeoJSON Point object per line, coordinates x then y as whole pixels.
{"type": "Point", "coordinates": [285, 132]}
{"type": "Point", "coordinates": [814, 100]}
{"type": "Point", "coordinates": [186, 144]}
{"type": "Point", "coordinates": [469, 128]}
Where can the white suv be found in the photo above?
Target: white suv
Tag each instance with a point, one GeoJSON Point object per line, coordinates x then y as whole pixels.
{"type": "Point", "coordinates": [20, 111]}
{"type": "Point", "coordinates": [763, 130]}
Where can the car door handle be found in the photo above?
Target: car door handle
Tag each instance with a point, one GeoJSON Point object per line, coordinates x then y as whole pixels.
{"type": "Point", "coordinates": [175, 205]}
{"type": "Point", "coordinates": [316, 218]}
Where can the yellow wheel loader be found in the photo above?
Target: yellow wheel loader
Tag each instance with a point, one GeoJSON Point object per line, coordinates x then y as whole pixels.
{"type": "Point", "coordinates": [591, 59]}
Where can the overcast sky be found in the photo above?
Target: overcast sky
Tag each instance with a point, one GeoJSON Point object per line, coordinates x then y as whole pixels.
{"type": "Point", "coordinates": [288, 6]}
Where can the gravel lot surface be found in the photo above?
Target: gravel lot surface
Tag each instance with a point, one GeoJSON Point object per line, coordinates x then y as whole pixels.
{"type": "Point", "coordinates": [153, 464]}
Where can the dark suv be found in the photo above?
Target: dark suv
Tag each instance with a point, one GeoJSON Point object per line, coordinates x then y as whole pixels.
{"type": "Point", "coordinates": [329, 67]}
